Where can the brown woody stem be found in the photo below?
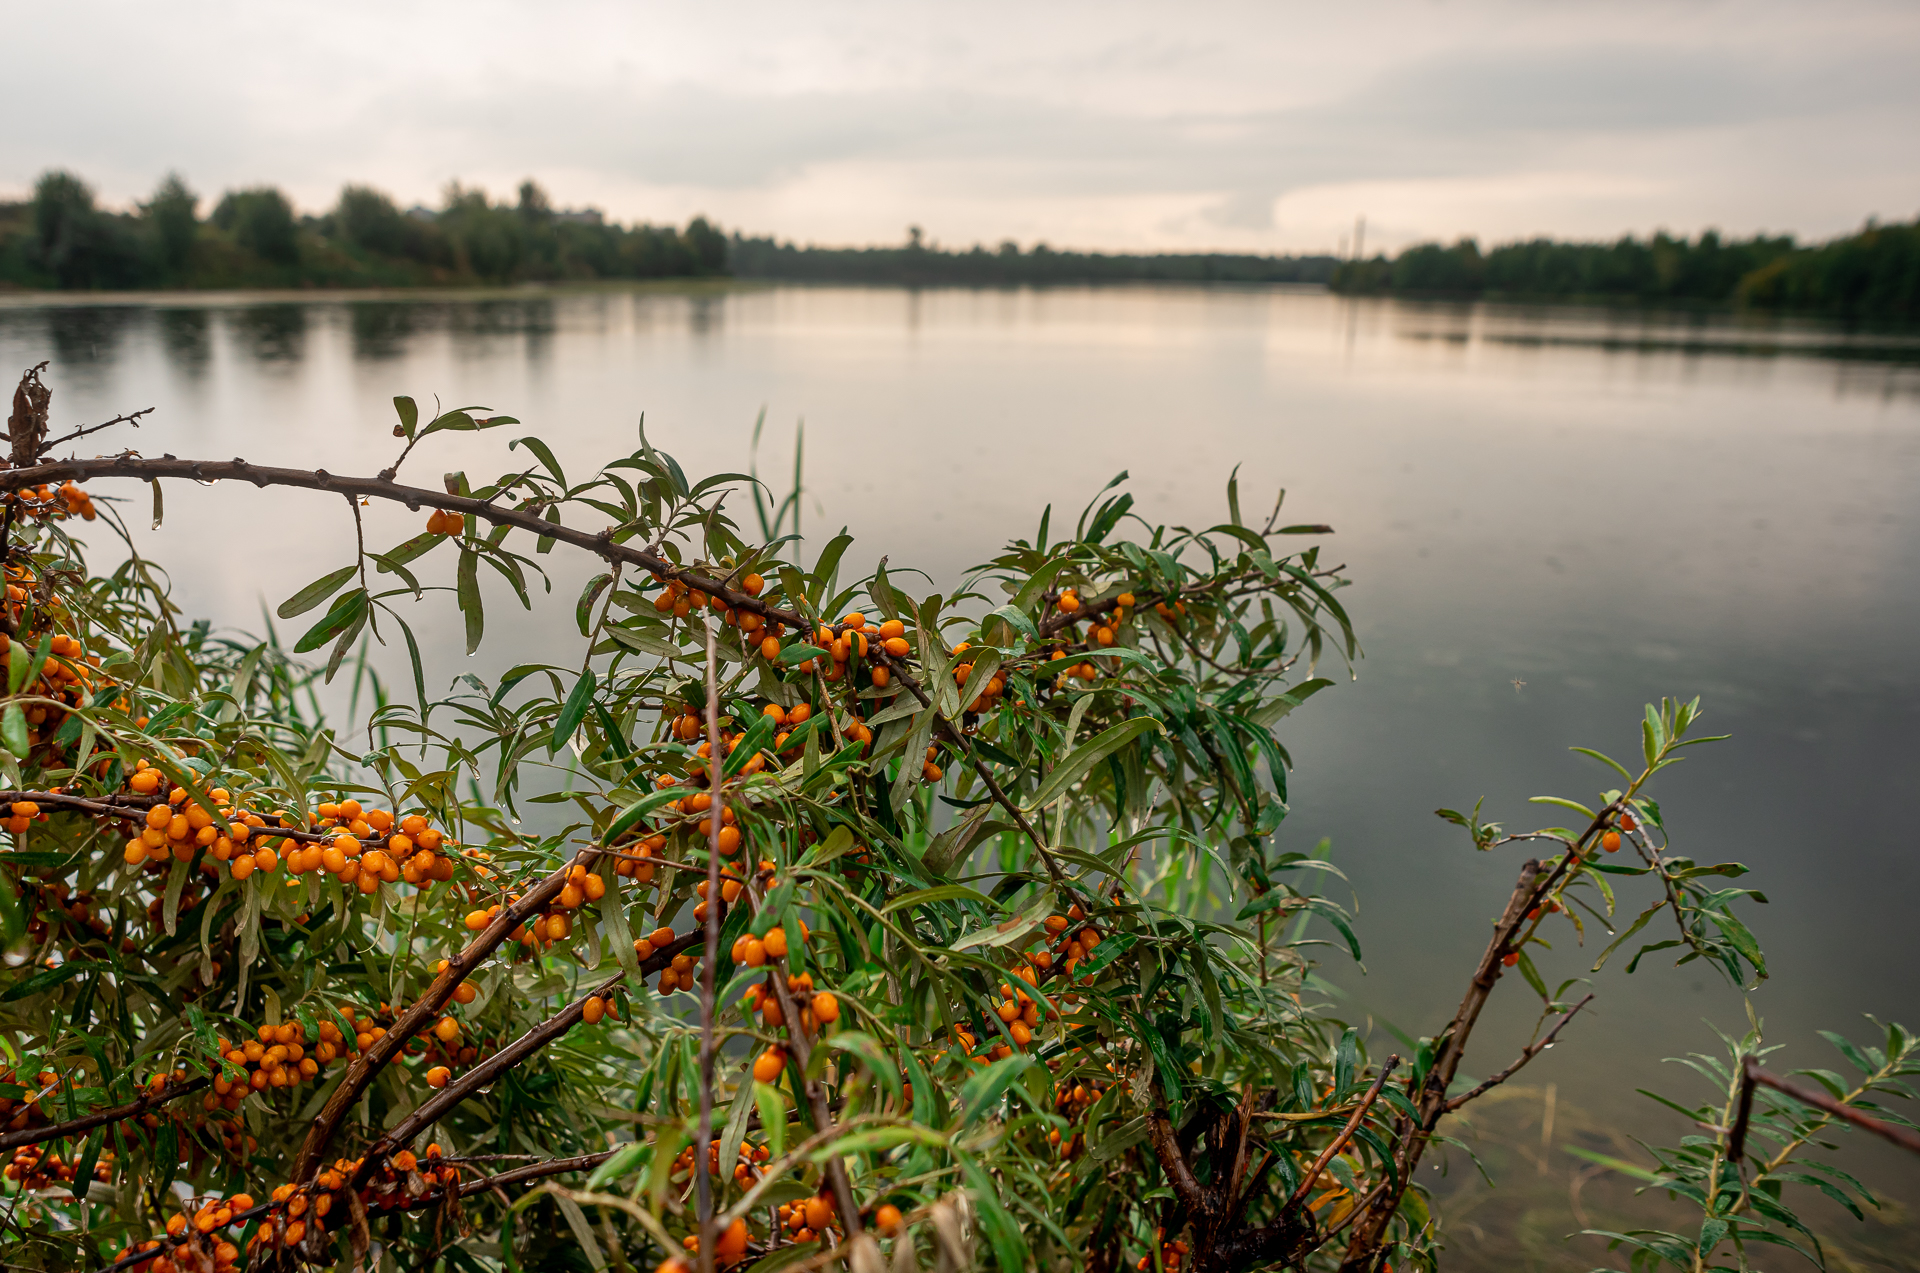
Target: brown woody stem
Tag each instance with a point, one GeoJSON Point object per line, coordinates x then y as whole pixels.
{"type": "Point", "coordinates": [1755, 1076]}
{"type": "Point", "coordinates": [816, 1097]}
{"type": "Point", "coordinates": [716, 785]}
{"type": "Point", "coordinates": [384, 1049]}
{"type": "Point", "coordinates": [1339, 1142]}
{"type": "Point", "coordinates": [87, 1122]}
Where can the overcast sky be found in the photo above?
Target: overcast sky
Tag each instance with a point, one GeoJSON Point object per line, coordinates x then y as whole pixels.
{"type": "Point", "coordinates": [1111, 124]}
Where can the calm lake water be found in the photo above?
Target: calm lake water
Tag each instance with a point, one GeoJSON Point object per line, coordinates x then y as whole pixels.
{"type": "Point", "coordinates": [1552, 517]}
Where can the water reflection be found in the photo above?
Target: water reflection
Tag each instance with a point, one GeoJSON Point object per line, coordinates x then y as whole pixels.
{"type": "Point", "coordinates": [271, 333]}
{"type": "Point", "coordinates": [89, 335]}
{"type": "Point", "coordinates": [382, 329]}
{"type": "Point", "coordinates": [186, 337]}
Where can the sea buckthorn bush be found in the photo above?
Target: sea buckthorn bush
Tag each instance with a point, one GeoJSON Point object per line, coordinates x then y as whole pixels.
{"type": "Point", "coordinates": [788, 918]}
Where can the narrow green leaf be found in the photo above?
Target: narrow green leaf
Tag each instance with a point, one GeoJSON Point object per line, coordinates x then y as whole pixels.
{"type": "Point", "coordinates": [314, 593]}
{"type": "Point", "coordinates": [573, 711]}
{"type": "Point", "coordinates": [468, 588]}
{"type": "Point", "coordinates": [1090, 753]}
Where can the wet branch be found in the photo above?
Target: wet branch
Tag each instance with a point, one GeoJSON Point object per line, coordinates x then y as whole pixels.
{"type": "Point", "coordinates": [1526, 1054]}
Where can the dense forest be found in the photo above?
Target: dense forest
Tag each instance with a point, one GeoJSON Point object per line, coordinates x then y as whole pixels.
{"type": "Point", "coordinates": [1874, 274]}
{"type": "Point", "coordinates": [62, 238]}
{"type": "Point", "coordinates": [916, 262]}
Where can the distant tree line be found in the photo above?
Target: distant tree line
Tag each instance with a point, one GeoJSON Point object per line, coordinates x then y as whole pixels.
{"type": "Point", "coordinates": [1874, 274]}
{"type": "Point", "coordinates": [918, 263]}
{"type": "Point", "coordinates": [62, 238]}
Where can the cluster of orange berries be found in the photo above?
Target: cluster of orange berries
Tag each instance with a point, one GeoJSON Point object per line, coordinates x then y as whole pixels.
{"type": "Point", "coordinates": [810, 1219]}
{"type": "Point", "coordinates": [441, 522]}
{"type": "Point", "coordinates": [1019, 1010]}
{"type": "Point", "coordinates": [49, 503]}
{"type": "Point", "coordinates": [986, 697]}
{"type": "Point", "coordinates": [788, 719]}
{"type": "Point", "coordinates": [1172, 1254]}
{"type": "Point", "coordinates": [200, 1249]}
{"type": "Point", "coordinates": [298, 1212]}
{"type": "Point", "coordinates": [745, 1171]}
{"type": "Point", "coordinates": [595, 1010]}
{"type": "Point", "coordinates": [755, 951]}
{"type": "Point", "coordinates": [818, 1008]}
{"type": "Point", "coordinates": [555, 924]}
{"type": "Point", "coordinates": [67, 675]}
{"type": "Point", "coordinates": [850, 642]}
{"type": "Point", "coordinates": [17, 1113]}
{"type": "Point", "coordinates": [278, 1056]}
{"type": "Point", "coordinates": [680, 600]}
{"type": "Point", "coordinates": [35, 1168]}
{"type": "Point", "coordinates": [729, 1248]}
{"type": "Point", "coordinates": [246, 842]}
{"type": "Point", "coordinates": [677, 975]}
{"type": "Point", "coordinates": [1072, 1101]}
{"type": "Point", "coordinates": [729, 739]}
{"type": "Point", "coordinates": [1072, 947]}
{"type": "Point", "coordinates": [55, 904]}
{"type": "Point", "coordinates": [1104, 632]}
{"type": "Point", "coordinates": [636, 844]}
{"type": "Point", "coordinates": [701, 802]}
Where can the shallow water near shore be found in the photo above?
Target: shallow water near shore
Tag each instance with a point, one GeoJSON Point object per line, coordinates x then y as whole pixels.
{"type": "Point", "coordinates": [1552, 516]}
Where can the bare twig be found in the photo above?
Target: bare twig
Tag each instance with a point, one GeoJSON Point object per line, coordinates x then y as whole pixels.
{"type": "Point", "coordinates": [1166, 1147]}
{"type": "Point", "coordinates": [1755, 1075]}
{"type": "Point", "coordinates": [1526, 1054]}
{"type": "Point", "coordinates": [132, 418]}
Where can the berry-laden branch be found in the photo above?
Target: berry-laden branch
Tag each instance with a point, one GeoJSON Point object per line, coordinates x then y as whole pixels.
{"type": "Point", "coordinates": [710, 934]}
{"type": "Point", "coordinates": [384, 1049]}
{"type": "Point", "coordinates": [816, 1096]}
{"type": "Point", "coordinates": [87, 1122]}
{"type": "Point", "coordinates": [600, 543]}
{"type": "Point", "coordinates": [432, 1198]}
{"type": "Point", "coordinates": [486, 1071]}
